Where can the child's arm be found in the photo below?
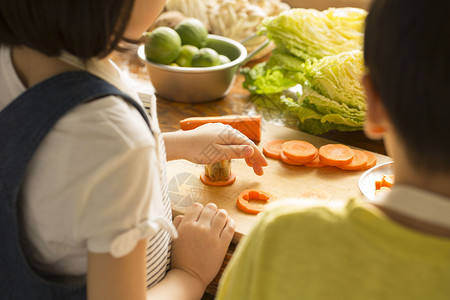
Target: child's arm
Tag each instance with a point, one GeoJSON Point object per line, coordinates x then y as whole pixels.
{"type": "Point", "coordinates": [211, 143]}
{"type": "Point", "coordinates": [117, 278]}
{"type": "Point", "coordinates": [197, 254]}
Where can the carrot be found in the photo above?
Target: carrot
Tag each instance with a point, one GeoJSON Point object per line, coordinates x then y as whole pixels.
{"type": "Point", "coordinates": [378, 184]}
{"type": "Point", "coordinates": [289, 161]}
{"type": "Point", "coordinates": [358, 162]}
{"type": "Point", "coordinates": [247, 125]}
{"type": "Point", "coordinates": [206, 180]}
{"type": "Point", "coordinates": [387, 181]}
{"type": "Point", "coordinates": [335, 154]}
{"type": "Point", "coordinates": [371, 159]}
{"type": "Point", "coordinates": [299, 151]}
{"type": "Point", "coordinates": [273, 149]}
{"type": "Point", "coordinates": [245, 203]}
{"type": "Point", "coordinates": [316, 163]}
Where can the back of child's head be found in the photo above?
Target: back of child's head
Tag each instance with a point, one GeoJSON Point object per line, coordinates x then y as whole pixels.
{"type": "Point", "coordinates": [406, 52]}
{"type": "Point", "coordinates": [84, 28]}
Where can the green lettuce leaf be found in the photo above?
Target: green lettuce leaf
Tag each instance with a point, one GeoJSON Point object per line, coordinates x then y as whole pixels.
{"type": "Point", "coordinates": [321, 51]}
{"type": "Point", "coordinates": [338, 77]}
{"type": "Point", "coordinates": [308, 33]}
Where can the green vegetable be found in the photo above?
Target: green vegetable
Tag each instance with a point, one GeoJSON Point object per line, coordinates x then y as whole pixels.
{"type": "Point", "coordinates": [321, 51]}
{"type": "Point", "coordinates": [308, 33]}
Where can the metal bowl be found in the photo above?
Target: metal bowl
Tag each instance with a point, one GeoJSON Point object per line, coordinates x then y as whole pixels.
{"type": "Point", "coordinates": [196, 85]}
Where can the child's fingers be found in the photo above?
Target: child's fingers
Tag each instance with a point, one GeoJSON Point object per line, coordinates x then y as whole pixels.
{"type": "Point", "coordinates": [177, 220]}
{"type": "Point", "coordinates": [235, 151]}
{"type": "Point", "coordinates": [193, 212]}
{"type": "Point", "coordinates": [257, 169]}
{"type": "Point", "coordinates": [207, 213]}
{"type": "Point", "coordinates": [219, 221]}
{"type": "Point", "coordinates": [228, 230]}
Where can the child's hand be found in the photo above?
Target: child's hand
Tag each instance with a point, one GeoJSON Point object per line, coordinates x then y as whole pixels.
{"type": "Point", "coordinates": [214, 142]}
{"type": "Point", "coordinates": [204, 236]}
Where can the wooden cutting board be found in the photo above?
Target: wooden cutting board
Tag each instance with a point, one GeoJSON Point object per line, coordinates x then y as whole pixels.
{"type": "Point", "coordinates": [281, 180]}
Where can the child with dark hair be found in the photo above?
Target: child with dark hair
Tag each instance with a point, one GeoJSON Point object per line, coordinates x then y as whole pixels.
{"type": "Point", "coordinates": [84, 207]}
{"type": "Point", "coordinates": [398, 245]}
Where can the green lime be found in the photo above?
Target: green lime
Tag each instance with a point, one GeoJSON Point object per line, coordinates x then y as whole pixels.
{"type": "Point", "coordinates": [185, 57]}
{"type": "Point", "coordinates": [224, 59]}
{"type": "Point", "coordinates": [162, 45]}
{"type": "Point", "coordinates": [205, 57]}
{"type": "Point", "coordinates": [192, 32]}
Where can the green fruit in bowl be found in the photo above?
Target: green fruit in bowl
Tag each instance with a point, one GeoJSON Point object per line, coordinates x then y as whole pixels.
{"type": "Point", "coordinates": [206, 57]}
{"type": "Point", "coordinates": [162, 45]}
{"type": "Point", "coordinates": [192, 32]}
{"type": "Point", "coordinates": [185, 57]}
{"type": "Point", "coordinates": [224, 59]}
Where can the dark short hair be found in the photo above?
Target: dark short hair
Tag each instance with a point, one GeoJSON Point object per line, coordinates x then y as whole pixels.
{"type": "Point", "coordinates": [406, 52]}
{"type": "Point", "coordinates": [84, 28]}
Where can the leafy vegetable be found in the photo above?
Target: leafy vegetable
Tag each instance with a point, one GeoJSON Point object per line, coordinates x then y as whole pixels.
{"type": "Point", "coordinates": [321, 51]}
{"type": "Point", "coordinates": [308, 33]}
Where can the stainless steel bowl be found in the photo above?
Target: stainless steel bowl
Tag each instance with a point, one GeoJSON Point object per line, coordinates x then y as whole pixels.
{"type": "Point", "coordinates": [196, 85]}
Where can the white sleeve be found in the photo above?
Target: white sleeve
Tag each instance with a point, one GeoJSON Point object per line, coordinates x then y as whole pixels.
{"type": "Point", "coordinates": [117, 213]}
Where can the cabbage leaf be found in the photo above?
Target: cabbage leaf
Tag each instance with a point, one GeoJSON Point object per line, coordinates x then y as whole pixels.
{"type": "Point", "coordinates": [321, 51]}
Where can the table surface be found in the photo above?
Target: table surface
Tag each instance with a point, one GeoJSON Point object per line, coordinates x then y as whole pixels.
{"type": "Point", "coordinates": [236, 102]}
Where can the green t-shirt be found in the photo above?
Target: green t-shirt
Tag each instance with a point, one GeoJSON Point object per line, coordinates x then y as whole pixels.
{"type": "Point", "coordinates": [352, 251]}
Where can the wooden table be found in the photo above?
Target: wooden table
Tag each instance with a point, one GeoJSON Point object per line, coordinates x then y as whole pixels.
{"type": "Point", "coordinates": [236, 102]}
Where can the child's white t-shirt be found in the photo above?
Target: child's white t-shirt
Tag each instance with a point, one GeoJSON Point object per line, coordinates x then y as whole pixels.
{"type": "Point", "coordinates": [94, 184]}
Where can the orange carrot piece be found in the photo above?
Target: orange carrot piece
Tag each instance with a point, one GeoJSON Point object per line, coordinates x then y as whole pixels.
{"type": "Point", "coordinates": [378, 184]}
{"type": "Point", "coordinates": [244, 204]}
{"type": "Point", "coordinates": [371, 159]}
{"type": "Point", "coordinates": [206, 180]}
{"type": "Point", "coordinates": [358, 162]}
{"type": "Point", "coordinates": [335, 154]}
{"type": "Point", "coordinates": [387, 181]}
{"type": "Point", "coordinates": [289, 161]}
{"type": "Point", "coordinates": [247, 125]}
{"type": "Point", "coordinates": [299, 151]}
{"type": "Point", "coordinates": [316, 163]}
{"type": "Point", "coordinates": [273, 149]}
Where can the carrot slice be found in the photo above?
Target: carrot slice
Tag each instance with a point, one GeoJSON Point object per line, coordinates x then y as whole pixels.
{"type": "Point", "coordinates": [387, 181]}
{"type": "Point", "coordinates": [371, 159]}
{"type": "Point", "coordinates": [378, 184]}
{"type": "Point", "coordinates": [273, 149]}
{"type": "Point", "coordinates": [358, 162]}
{"type": "Point", "coordinates": [245, 203]}
{"type": "Point", "coordinates": [335, 154]}
{"type": "Point", "coordinates": [299, 151]}
{"type": "Point", "coordinates": [289, 161]}
{"type": "Point", "coordinates": [206, 180]}
{"type": "Point", "coordinates": [247, 125]}
{"type": "Point", "coordinates": [316, 163]}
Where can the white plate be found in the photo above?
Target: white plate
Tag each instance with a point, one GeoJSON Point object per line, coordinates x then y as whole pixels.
{"type": "Point", "coordinates": [367, 180]}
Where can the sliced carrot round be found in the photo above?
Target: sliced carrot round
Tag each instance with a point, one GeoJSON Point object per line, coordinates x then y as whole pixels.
{"type": "Point", "coordinates": [273, 149]}
{"type": "Point", "coordinates": [299, 151]}
{"type": "Point", "coordinates": [247, 201]}
{"type": "Point", "coordinates": [316, 163]}
{"type": "Point", "coordinates": [206, 180]}
{"type": "Point", "coordinates": [289, 161]}
{"type": "Point", "coordinates": [358, 162]}
{"type": "Point", "coordinates": [371, 159]}
{"type": "Point", "coordinates": [335, 154]}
